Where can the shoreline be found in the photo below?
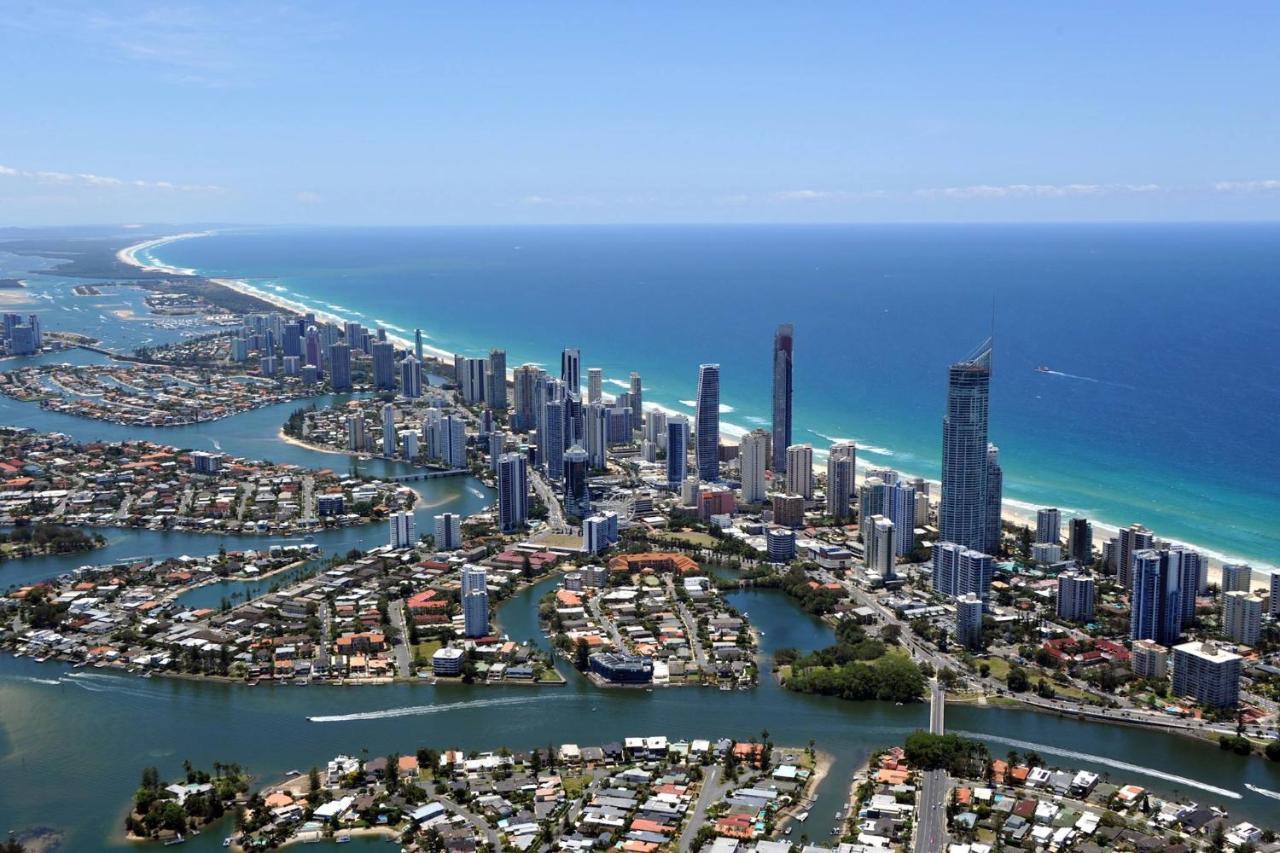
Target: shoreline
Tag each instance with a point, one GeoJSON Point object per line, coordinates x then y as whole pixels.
{"type": "Point", "coordinates": [1019, 513]}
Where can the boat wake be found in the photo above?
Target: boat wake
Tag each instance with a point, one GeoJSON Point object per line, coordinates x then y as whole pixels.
{"type": "Point", "coordinates": [1275, 795]}
{"type": "Point", "coordinates": [1044, 371]}
{"type": "Point", "coordinates": [419, 710]}
{"type": "Point", "coordinates": [1099, 759]}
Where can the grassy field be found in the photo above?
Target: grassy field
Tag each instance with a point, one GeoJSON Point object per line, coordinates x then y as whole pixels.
{"type": "Point", "coordinates": [573, 785]}
{"type": "Point", "coordinates": [693, 537]}
{"type": "Point", "coordinates": [424, 651]}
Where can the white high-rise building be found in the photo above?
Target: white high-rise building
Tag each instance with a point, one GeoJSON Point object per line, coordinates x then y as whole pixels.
{"type": "Point", "coordinates": [596, 425]}
{"type": "Point", "coordinates": [497, 446]}
{"type": "Point", "coordinates": [475, 614]}
{"type": "Point", "coordinates": [800, 470]}
{"type": "Point", "coordinates": [1242, 617]}
{"type": "Point", "coordinates": [513, 492]}
{"type": "Point", "coordinates": [1076, 593]}
{"type": "Point", "coordinates": [753, 457]}
{"type": "Point", "coordinates": [878, 549]}
{"type": "Point", "coordinates": [474, 578]}
{"type": "Point", "coordinates": [1236, 576]}
{"type": "Point", "coordinates": [595, 389]}
{"type": "Point", "coordinates": [1049, 525]}
{"type": "Point", "coordinates": [900, 507]}
{"type": "Point", "coordinates": [958, 570]}
{"type": "Point", "coordinates": [403, 529]}
{"type": "Point", "coordinates": [448, 531]}
{"type": "Point", "coordinates": [389, 443]}
{"type": "Point", "coordinates": [452, 446]}
{"type": "Point", "coordinates": [969, 621]}
{"type": "Point", "coordinates": [1207, 674]}
{"type": "Point", "coordinates": [842, 463]}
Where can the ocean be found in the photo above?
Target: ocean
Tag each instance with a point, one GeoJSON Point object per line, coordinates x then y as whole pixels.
{"type": "Point", "coordinates": [1163, 341]}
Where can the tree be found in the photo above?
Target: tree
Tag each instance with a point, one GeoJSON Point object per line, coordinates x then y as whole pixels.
{"type": "Point", "coordinates": [1273, 750]}
{"type": "Point", "coordinates": [582, 655]}
{"type": "Point", "coordinates": [313, 780]}
{"type": "Point", "coordinates": [1017, 680]}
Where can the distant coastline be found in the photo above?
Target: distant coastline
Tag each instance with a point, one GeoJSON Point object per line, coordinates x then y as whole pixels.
{"type": "Point", "coordinates": [1016, 512]}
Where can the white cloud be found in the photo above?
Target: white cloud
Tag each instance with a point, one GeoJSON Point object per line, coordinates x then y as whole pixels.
{"type": "Point", "coordinates": [309, 197]}
{"type": "Point", "coordinates": [827, 195]}
{"type": "Point", "coordinates": [1247, 186]}
{"type": "Point", "coordinates": [89, 179]}
{"type": "Point", "coordinates": [1002, 191]}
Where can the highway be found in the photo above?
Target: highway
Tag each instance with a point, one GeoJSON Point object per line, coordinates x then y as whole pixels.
{"type": "Point", "coordinates": [931, 821]}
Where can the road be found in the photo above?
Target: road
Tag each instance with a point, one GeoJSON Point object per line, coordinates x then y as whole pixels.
{"type": "Point", "coordinates": [931, 823]}
{"type": "Point", "coordinates": [593, 604]}
{"type": "Point", "coordinates": [474, 819]}
{"type": "Point", "coordinates": [711, 791]}
{"type": "Point", "coordinates": [555, 512]}
{"type": "Point", "coordinates": [690, 628]}
{"type": "Point", "coordinates": [404, 661]}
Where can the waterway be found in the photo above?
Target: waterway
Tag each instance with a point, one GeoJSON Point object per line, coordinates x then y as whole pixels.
{"type": "Point", "coordinates": [74, 741]}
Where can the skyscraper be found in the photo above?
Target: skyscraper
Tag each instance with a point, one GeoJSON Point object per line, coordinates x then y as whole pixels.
{"type": "Point", "coordinates": [384, 366]}
{"type": "Point", "coordinates": [453, 441]}
{"type": "Point", "coordinates": [475, 613]}
{"type": "Point", "coordinates": [513, 492]}
{"type": "Point", "coordinates": [595, 388]}
{"type": "Point", "coordinates": [708, 422]}
{"type": "Point", "coordinates": [1242, 617]}
{"type": "Point", "coordinates": [526, 378]}
{"type": "Point", "coordinates": [958, 570]}
{"type": "Point", "coordinates": [969, 621]}
{"type": "Point", "coordinates": [873, 497]}
{"type": "Point", "coordinates": [783, 341]}
{"type": "Point", "coordinates": [577, 498]}
{"type": "Point", "coordinates": [552, 439]}
{"type": "Point", "coordinates": [1080, 541]}
{"type": "Point", "coordinates": [637, 400]}
{"type": "Point", "coordinates": [410, 378]}
{"type": "Point", "coordinates": [472, 379]}
{"type": "Point", "coordinates": [389, 441]}
{"type": "Point", "coordinates": [340, 367]}
{"type": "Point", "coordinates": [571, 369]}
{"type": "Point", "coordinates": [596, 426]}
{"type": "Point", "coordinates": [751, 459]}
{"type": "Point", "coordinates": [495, 379]}
{"type": "Point", "coordinates": [448, 531]}
{"type": "Point", "coordinates": [1156, 603]}
{"type": "Point", "coordinates": [1049, 525]}
{"type": "Point", "coordinates": [677, 450]}
{"type": "Point", "coordinates": [417, 344]}
{"type": "Point", "coordinates": [994, 499]}
{"type": "Point", "coordinates": [311, 350]}
{"type": "Point", "coordinates": [900, 507]}
{"type": "Point", "coordinates": [1132, 539]}
{"type": "Point", "coordinates": [799, 468]}
{"type": "Point", "coordinates": [878, 548]}
{"type": "Point", "coordinates": [1236, 577]}
{"type": "Point", "coordinates": [403, 532]}
{"type": "Point", "coordinates": [841, 465]}
{"type": "Point", "coordinates": [963, 508]}
{"type": "Point", "coordinates": [1076, 593]}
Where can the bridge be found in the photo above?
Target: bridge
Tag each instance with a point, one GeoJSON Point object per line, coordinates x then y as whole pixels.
{"type": "Point", "coordinates": [430, 475]}
{"type": "Point", "coordinates": [931, 828]}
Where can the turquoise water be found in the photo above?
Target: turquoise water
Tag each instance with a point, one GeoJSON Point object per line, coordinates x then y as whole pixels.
{"type": "Point", "coordinates": [1164, 338]}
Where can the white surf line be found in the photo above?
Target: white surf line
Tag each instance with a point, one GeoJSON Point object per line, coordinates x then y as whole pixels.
{"type": "Point", "coordinates": [1098, 759]}
{"type": "Point", "coordinates": [1275, 795]}
{"type": "Point", "coordinates": [417, 710]}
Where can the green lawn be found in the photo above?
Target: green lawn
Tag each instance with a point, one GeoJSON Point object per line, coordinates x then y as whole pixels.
{"type": "Point", "coordinates": [424, 651]}
{"type": "Point", "coordinates": [693, 537]}
{"type": "Point", "coordinates": [573, 785]}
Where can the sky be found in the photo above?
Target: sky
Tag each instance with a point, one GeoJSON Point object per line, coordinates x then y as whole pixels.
{"type": "Point", "coordinates": [630, 112]}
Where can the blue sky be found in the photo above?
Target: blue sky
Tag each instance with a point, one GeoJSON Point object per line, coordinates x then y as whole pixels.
{"type": "Point", "coordinates": [602, 112]}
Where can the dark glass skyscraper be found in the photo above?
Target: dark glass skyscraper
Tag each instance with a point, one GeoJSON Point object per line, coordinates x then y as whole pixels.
{"type": "Point", "coordinates": [783, 341]}
{"type": "Point", "coordinates": [571, 369]}
{"type": "Point", "coordinates": [708, 422]}
{"type": "Point", "coordinates": [963, 510]}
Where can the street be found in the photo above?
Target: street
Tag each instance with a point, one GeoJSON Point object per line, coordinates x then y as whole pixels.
{"type": "Point", "coordinates": [931, 821]}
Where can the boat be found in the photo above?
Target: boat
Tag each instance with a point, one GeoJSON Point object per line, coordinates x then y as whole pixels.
{"type": "Point", "coordinates": [802, 817]}
{"type": "Point", "coordinates": [343, 839]}
{"type": "Point", "coordinates": [1044, 369]}
{"type": "Point", "coordinates": [226, 842]}
{"type": "Point", "coordinates": [177, 839]}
